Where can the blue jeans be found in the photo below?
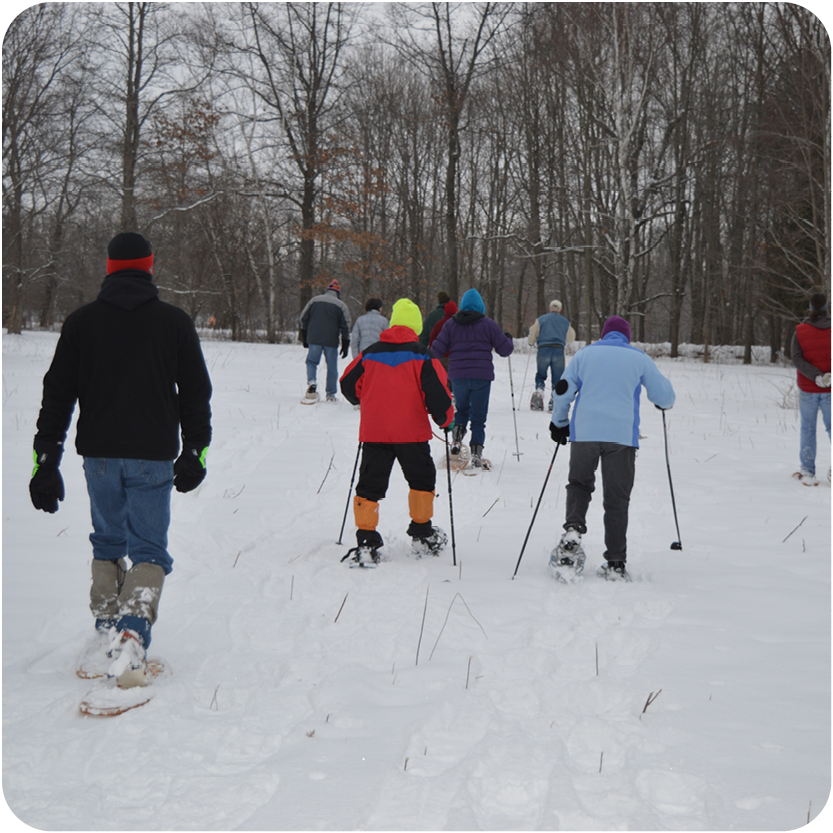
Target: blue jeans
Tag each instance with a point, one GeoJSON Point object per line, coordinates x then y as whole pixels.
{"type": "Point", "coordinates": [549, 359]}
{"type": "Point", "coordinates": [809, 405]}
{"type": "Point", "coordinates": [130, 502]}
{"type": "Point", "coordinates": [331, 357]}
{"type": "Point", "coordinates": [471, 402]}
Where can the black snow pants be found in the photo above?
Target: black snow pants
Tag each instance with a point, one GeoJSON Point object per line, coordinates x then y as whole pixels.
{"type": "Point", "coordinates": [618, 468]}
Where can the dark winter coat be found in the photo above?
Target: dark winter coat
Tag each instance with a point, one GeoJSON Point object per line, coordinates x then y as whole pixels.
{"type": "Point", "coordinates": [430, 320]}
{"type": "Point", "coordinates": [810, 352]}
{"type": "Point", "coordinates": [324, 318]}
{"type": "Point", "coordinates": [398, 385]}
{"type": "Point", "coordinates": [468, 339]}
{"type": "Point", "coordinates": [135, 366]}
{"type": "Point", "coordinates": [450, 309]}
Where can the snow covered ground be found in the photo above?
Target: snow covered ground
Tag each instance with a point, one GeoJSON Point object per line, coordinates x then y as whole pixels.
{"type": "Point", "coordinates": [423, 695]}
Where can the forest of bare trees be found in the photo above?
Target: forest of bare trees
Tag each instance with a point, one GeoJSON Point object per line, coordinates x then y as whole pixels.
{"type": "Point", "coordinates": [668, 162]}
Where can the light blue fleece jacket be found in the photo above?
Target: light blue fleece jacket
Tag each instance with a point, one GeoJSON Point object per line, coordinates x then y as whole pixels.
{"type": "Point", "coordinates": [606, 379]}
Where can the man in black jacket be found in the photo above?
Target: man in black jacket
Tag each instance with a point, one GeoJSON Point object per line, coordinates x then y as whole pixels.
{"type": "Point", "coordinates": [135, 366]}
{"type": "Point", "coordinates": [323, 319]}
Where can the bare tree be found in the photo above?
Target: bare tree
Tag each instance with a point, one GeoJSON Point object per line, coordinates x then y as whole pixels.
{"type": "Point", "coordinates": [39, 49]}
{"type": "Point", "coordinates": [455, 54]}
{"type": "Point", "coordinates": [298, 49]}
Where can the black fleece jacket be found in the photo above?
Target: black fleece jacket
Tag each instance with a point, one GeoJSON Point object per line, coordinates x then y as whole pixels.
{"type": "Point", "coordinates": [135, 366]}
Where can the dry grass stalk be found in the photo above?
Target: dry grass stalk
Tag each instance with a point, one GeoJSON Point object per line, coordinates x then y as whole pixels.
{"type": "Point", "coordinates": [342, 606]}
{"type": "Point", "coordinates": [651, 698]}
{"type": "Point", "coordinates": [327, 472]}
{"type": "Point", "coordinates": [447, 614]}
{"type": "Point", "coordinates": [422, 626]}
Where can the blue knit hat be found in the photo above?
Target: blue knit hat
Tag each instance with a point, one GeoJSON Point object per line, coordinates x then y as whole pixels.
{"type": "Point", "coordinates": [472, 301]}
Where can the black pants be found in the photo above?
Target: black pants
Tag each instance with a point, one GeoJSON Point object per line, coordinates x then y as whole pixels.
{"type": "Point", "coordinates": [618, 468]}
{"type": "Point", "coordinates": [377, 462]}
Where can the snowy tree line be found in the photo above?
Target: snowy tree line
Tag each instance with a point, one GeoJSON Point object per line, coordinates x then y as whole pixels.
{"type": "Point", "coordinates": [669, 162]}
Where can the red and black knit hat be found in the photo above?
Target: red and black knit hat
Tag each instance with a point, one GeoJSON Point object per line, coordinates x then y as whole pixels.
{"type": "Point", "coordinates": [129, 250]}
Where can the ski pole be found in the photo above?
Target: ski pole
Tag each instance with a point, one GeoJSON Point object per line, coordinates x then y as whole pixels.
{"type": "Point", "coordinates": [450, 504]}
{"type": "Point", "coordinates": [678, 544]}
{"type": "Point", "coordinates": [352, 478]}
{"type": "Point", "coordinates": [536, 510]}
{"type": "Point", "coordinates": [514, 417]}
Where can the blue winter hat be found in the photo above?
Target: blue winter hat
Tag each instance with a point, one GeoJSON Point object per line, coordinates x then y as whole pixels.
{"type": "Point", "coordinates": [472, 301]}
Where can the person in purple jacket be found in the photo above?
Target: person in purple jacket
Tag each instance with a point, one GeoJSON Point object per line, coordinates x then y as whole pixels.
{"type": "Point", "coordinates": [468, 339]}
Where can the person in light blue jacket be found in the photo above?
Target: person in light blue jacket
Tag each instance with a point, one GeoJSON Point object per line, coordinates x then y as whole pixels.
{"type": "Point", "coordinates": [605, 379]}
{"type": "Point", "coordinates": [368, 327]}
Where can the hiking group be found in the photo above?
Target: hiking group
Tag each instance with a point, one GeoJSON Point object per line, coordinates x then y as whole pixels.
{"type": "Point", "coordinates": [134, 366]}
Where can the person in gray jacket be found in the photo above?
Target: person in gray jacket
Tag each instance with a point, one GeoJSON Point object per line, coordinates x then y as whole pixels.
{"type": "Point", "coordinates": [323, 319]}
{"type": "Point", "coordinates": [368, 327]}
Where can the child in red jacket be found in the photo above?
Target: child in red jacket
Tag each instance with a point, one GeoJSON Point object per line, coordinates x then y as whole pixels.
{"type": "Point", "coordinates": [399, 385]}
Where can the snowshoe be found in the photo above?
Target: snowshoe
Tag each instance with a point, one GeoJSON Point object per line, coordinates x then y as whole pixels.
{"type": "Point", "coordinates": [363, 556]}
{"type": "Point", "coordinates": [614, 571]}
{"type": "Point", "coordinates": [459, 460]}
{"type": "Point", "coordinates": [806, 478]}
{"type": "Point", "coordinates": [567, 559]}
{"type": "Point", "coordinates": [94, 660]}
{"type": "Point", "coordinates": [107, 698]}
{"type": "Point", "coordinates": [129, 660]}
{"type": "Point", "coordinates": [430, 545]}
{"type": "Point", "coordinates": [537, 401]}
{"type": "Point", "coordinates": [311, 396]}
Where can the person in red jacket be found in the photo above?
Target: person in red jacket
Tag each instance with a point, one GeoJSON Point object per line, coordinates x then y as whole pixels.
{"type": "Point", "coordinates": [399, 385]}
{"type": "Point", "coordinates": [811, 359]}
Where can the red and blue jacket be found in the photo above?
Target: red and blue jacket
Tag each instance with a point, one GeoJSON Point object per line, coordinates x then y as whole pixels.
{"type": "Point", "coordinates": [399, 385]}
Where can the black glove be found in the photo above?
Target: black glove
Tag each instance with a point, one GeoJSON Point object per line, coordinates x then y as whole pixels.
{"type": "Point", "coordinates": [46, 487]}
{"type": "Point", "coordinates": [560, 436]}
{"type": "Point", "coordinates": [507, 334]}
{"type": "Point", "coordinates": [303, 337]}
{"type": "Point", "coordinates": [189, 468]}
{"type": "Point", "coordinates": [345, 346]}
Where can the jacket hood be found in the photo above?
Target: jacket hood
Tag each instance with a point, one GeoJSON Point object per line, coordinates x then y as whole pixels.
{"type": "Point", "coordinates": [821, 323]}
{"type": "Point", "coordinates": [472, 301]}
{"type": "Point", "coordinates": [128, 289]}
{"type": "Point", "coordinates": [467, 316]}
{"type": "Point", "coordinates": [614, 337]}
{"type": "Point", "coordinates": [398, 334]}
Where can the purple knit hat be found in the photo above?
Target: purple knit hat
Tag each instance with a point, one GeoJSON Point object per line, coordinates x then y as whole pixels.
{"type": "Point", "coordinates": [615, 324]}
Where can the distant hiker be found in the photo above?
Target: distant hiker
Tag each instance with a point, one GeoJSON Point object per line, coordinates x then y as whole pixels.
{"type": "Point", "coordinates": [368, 327]}
{"type": "Point", "coordinates": [552, 333]}
{"type": "Point", "coordinates": [323, 319]}
{"type": "Point", "coordinates": [448, 310]}
{"type": "Point", "coordinates": [607, 376]}
{"type": "Point", "coordinates": [433, 317]}
{"type": "Point", "coordinates": [399, 386]}
{"type": "Point", "coordinates": [810, 352]}
{"type": "Point", "coordinates": [468, 339]}
{"type": "Point", "coordinates": [135, 366]}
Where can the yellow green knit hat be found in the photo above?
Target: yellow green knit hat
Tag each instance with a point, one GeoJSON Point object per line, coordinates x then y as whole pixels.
{"type": "Point", "coordinates": [406, 313]}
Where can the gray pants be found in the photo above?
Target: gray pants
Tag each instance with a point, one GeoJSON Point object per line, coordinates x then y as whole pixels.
{"type": "Point", "coordinates": [618, 467]}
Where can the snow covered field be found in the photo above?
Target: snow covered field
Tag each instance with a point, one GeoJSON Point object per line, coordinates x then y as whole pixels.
{"type": "Point", "coordinates": [424, 696]}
